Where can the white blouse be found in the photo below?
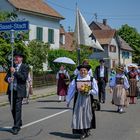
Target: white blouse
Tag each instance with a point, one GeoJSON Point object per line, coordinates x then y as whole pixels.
{"type": "Point", "coordinates": [112, 82]}
{"type": "Point", "coordinates": [65, 72]}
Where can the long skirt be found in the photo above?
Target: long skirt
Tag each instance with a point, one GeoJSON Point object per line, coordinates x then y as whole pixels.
{"type": "Point", "coordinates": [133, 88]}
{"type": "Point", "coordinates": [61, 88]}
{"type": "Point", "coordinates": [119, 96]}
{"type": "Point", "coordinates": [82, 113]}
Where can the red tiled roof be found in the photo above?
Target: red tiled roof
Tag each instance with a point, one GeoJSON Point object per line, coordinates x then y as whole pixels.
{"type": "Point", "coordinates": [104, 36]}
{"type": "Point", "coordinates": [36, 6]}
{"type": "Point", "coordinates": [100, 26]}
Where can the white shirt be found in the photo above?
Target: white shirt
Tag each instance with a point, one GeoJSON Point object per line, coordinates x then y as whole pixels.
{"type": "Point", "coordinates": [101, 71]}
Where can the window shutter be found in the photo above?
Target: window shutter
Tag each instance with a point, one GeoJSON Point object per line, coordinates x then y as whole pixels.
{"type": "Point", "coordinates": [39, 33]}
{"type": "Point", "coordinates": [50, 36]}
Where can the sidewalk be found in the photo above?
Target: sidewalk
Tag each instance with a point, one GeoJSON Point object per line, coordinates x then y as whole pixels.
{"type": "Point", "coordinates": [37, 93]}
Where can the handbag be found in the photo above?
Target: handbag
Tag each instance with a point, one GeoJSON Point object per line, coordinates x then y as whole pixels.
{"type": "Point", "coordinates": [96, 105]}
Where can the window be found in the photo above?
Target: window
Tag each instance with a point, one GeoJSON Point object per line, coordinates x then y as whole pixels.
{"type": "Point", "coordinates": [112, 48]}
{"type": "Point", "coordinates": [39, 33]}
{"type": "Point", "coordinates": [51, 36]}
{"type": "Point", "coordinates": [125, 54]}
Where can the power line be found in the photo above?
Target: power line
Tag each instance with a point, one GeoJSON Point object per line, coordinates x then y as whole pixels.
{"type": "Point", "coordinates": [107, 16]}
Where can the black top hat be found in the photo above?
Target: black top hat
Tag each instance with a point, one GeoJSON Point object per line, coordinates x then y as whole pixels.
{"type": "Point", "coordinates": [18, 53]}
{"type": "Point", "coordinates": [84, 66]}
{"type": "Point", "coordinates": [102, 60]}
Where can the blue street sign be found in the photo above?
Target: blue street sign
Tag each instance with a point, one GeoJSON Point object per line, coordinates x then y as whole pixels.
{"type": "Point", "coordinates": [17, 26]}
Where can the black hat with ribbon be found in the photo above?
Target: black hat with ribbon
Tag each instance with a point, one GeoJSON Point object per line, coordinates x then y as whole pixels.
{"type": "Point", "coordinates": [84, 66]}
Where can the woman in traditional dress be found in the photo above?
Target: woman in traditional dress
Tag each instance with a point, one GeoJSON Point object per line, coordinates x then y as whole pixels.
{"type": "Point", "coordinates": [118, 85]}
{"type": "Point", "coordinates": [82, 89]}
{"type": "Point", "coordinates": [62, 87]}
{"type": "Point", "coordinates": [133, 78]}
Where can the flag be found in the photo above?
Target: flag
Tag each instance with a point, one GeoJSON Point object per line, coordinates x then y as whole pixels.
{"type": "Point", "coordinates": [83, 34]}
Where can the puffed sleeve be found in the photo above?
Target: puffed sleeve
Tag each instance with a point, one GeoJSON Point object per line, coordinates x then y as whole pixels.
{"type": "Point", "coordinates": [126, 83]}
{"type": "Point", "coordinates": [71, 91]}
{"type": "Point", "coordinates": [76, 71]}
{"type": "Point", "coordinates": [94, 90]}
{"type": "Point", "coordinates": [90, 73]}
{"type": "Point", "coordinates": [112, 82]}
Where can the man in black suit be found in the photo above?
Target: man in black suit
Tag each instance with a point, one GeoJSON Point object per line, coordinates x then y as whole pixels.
{"type": "Point", "coordinates": [101, 75]}
{"type": "Point", "coordinates": [20, 75]}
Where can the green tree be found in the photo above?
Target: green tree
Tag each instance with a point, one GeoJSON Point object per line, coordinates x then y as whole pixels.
{"type": "Point", "coordinates": [84, 54]}
{"type": "Point", "coordinates": [53, 54]}
{"type": "Point", "coordinates": [132, 37]}
{"type": "Point", "coordinates": [38, 54]}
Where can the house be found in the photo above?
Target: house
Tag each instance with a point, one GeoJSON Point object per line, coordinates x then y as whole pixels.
{"type": "Point", "coordinates": [116, 50]}
{"type": "Point", "coordinates": [66, 40]}
{"type": "Point", "coordinates": [44, 21]}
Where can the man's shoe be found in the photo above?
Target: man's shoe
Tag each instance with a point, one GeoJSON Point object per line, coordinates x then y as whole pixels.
{"type": "Point", "coordinates": [15, 131]}
{"type": "Point", "coordinates": [103, 102]}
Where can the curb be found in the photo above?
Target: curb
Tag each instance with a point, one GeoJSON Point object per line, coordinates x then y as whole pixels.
{"type": "Point", "coordinates": [32, 97]}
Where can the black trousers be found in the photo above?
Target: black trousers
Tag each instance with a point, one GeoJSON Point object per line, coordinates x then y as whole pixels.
{"type": "Point", "coordinates": [16, 110]}
{"type": "Point", "coordinates": [102, 86]}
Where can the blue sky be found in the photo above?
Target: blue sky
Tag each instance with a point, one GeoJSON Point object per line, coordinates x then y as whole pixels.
{"type": "Point", "coordinates": [117, 12]}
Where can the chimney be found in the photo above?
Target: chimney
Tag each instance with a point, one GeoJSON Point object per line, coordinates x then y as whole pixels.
{"type": "Point", "coordinates": [105, 22]}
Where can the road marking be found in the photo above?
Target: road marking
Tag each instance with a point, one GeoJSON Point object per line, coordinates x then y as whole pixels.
{"type": "Point", "coordinates": [40, 120]}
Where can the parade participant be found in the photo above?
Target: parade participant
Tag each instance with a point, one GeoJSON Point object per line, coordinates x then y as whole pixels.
{"type": "Point", "coordinates": [61, 77]}
{"type": "Point", "coordinates": [29, 88]}
{"type": "Point", "coordinates": [112, 73]}
{"type": "Point", "coordinates": [82, 89]}
{"type": "Point", "coordinates": [20, 75]}
{"type": "Point", "coordinates": [133, 78]}
{"type": "Point", "coordinates": [85, 62]}
{"type": "Point", "coordinates": [119, 84]}
{"type": "Point", "coordinates": [101, 75]}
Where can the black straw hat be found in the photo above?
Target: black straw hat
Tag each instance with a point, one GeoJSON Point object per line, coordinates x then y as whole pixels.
{"type": "Point", "coordinates": [84, 66]}
{"type": "Point", "coordinates": [18, 53]}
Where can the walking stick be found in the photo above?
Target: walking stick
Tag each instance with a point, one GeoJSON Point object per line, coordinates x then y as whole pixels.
{"type": "Point", "coordinates": [12, 64]}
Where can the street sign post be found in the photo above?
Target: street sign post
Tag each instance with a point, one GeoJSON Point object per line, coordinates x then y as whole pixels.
{"type": "Point", "coordinates": [12, 27]}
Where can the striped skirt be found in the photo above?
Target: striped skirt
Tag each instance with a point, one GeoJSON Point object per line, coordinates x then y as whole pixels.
{"type": "Point", "coordinates": [82, 113]}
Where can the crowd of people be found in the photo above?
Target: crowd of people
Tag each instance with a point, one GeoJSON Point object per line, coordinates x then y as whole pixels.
{"type": "Point", "coordinates": [82, 89]}
{"type": "Point", "coordinates": [123, 87]}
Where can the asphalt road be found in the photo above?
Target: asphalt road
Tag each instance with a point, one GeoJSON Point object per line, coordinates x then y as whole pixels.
{"type": "Point", "coordinates": [46, 119]}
